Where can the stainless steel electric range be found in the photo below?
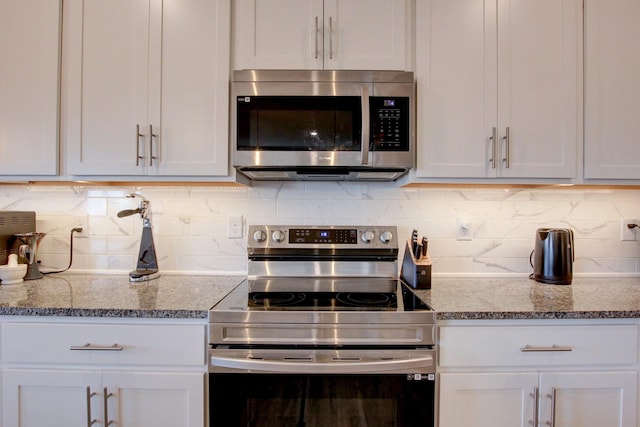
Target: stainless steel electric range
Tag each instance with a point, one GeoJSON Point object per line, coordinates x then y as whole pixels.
{"type": "Point", "coordinates": [322, 332]}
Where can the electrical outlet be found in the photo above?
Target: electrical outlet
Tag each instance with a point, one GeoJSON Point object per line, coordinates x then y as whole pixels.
{"type": "Point", "coordinates": [464, 230]}
{"type": "Point", "coordinates": [81, 221]}
{"type": "Point", "coordinates": [234, 227]}
{"type": "Point", "coordinates": [627, 233]}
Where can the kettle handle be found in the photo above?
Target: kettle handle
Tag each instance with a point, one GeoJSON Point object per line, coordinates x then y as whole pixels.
{"type": "Point", "coordinates": [573, 252]}
{"type": "Point", "coordinates": [530, 258]}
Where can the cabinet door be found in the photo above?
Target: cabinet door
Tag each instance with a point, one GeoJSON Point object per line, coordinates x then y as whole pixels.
{"type": "Point", "coordinates": [36, 398]}
{"type": "Point", "coordinates": [612, 89]}
{"type": "Point", "coordinates": [30, 70]}
{"type": "Point", "coordinates": [151, 399]}
{"type": "Point", "coordinates": [365, 34]}
{"type": "Point", "coordinates": [278, 34]}
{"type": "Point", "coordinates": [538, 57]}
{"type": "Point", "coordinates": [483, 67]}
{"type": "Point", "coordinates": [591, 399]}
{"type": "Point", "coordinates": [487, 400]}
{"type": "Point", "coordinates": [456, 80]}
{"type": "Point", "coordinates": [106, 86]}
{"type": "Point", "coordinates": [189, 98]}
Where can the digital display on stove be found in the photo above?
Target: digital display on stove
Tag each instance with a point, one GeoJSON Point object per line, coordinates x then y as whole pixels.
{"type": "Point", "coordinates": [329, 235]}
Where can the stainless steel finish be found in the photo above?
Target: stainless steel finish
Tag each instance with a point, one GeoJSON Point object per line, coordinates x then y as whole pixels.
{"type": "Point", "coordinates": [313, 332]}
{"type": "Point", "coordinates": [152, 136]}
{"type": "Point", "coordinates": [328, 361]}
{"type": "Point", "coordinates": [334, 268]}
{"type": "Point", "coordinates": [255, 245]}
{"type": "Point", "coordinates": [494, 147]}
{"type": "Point", "coordinates": [90, 421]}
{"type": "Point", "coordinates": [553, 397]}
{"type": "Point", "coordinates": [330, 37]}
{"type": "Point", "coordinates": [278, 77]}
{"type": "Point", "coordinates": [316, 38]}
{"type": "Point", "coordinates": [554, 347]}
{"type": "Point", "coordinates": [138, 136]}
{"type": "Point", "coordinates": [338, 165]}
{"type": "Point", "coordinates": [536, 405]}
{"type": "Point", "coordinates": [507, 141]}
{"type": "Point", "coordinates": [366, 131]}
{"type": "Point", "coordinates": [93, 347]}
{"type": "Point", "coordinates": [246, 337]}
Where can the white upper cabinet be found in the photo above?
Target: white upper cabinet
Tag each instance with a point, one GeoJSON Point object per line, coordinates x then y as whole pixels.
{"type": "Point", "coordinates": [612, 89]}
{"type": "Point", "coordinates": [498, 88]}
{"type": "Point", "coordinates": [29, 82]}
{"type": "Point", "coordinates": [146, 87]}
{"type": "Point", "coordinates": [321, 34]}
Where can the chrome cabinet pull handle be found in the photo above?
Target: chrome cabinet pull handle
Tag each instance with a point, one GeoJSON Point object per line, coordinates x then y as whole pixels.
{"type": "Point", "coordinates": [536, 404]}
{"type": "Point", "coordinates": [554, 347]}
{"type": "Point", "coordinates": [138, 136]}
{"type": "Point", "coordinates": [366, 135]}
{"type": "Point", "coordinates": [330, 37]}
{"type": "Point", "coordinates": [151, 137]}
{"type": "Point", "coordinates": [552, 396]}
{"type": "Point", "coordinates": [90, 422]}
{"type": "Point", "coordinates": [92, 347]}
{"type": "Point", "coordinates": [507, 141]}
{"type": "Point", "coordinates": [494, 144]}
{"type": "Point", "coordinates": [106, 397]}
{"type": "Point", "coordinates": [316, 39]}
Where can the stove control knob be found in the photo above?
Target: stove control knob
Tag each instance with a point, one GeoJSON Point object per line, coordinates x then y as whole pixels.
{"type": "Point", "coordinates": [259, 236]}
{"type": "Point", "coordinates": [367, 236]}
{"type": "Point", "coordinates": [386, 236]}
{"type": "Point", "coordinates": [277, 236]}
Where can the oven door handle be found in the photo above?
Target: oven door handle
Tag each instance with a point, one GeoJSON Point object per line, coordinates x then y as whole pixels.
{"type": "Point", "coordinates": [423, 364]}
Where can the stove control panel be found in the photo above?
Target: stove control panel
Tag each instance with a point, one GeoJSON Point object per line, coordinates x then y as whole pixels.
{"type": "Point", "coordinates": [263, 236]}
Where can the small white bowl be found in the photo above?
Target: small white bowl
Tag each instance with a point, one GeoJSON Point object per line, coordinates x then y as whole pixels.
{"type": "Point", "coordinates": [10, 275]}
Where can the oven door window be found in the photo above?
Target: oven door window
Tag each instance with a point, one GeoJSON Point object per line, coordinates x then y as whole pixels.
{"type": "Point", "coordinates": [261, 400]}
{"type": "Point", "coordinates": [299, 123]}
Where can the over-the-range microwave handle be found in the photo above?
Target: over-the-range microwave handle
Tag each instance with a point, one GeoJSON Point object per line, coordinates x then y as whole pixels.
{"type": "Point", "coordinates": [424, 363]}
{"type": "Point", "coordinates": [366, 130]}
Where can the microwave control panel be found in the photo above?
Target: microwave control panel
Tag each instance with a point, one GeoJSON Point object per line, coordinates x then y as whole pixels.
{"type": "Point", "coordinates": [389, 123]}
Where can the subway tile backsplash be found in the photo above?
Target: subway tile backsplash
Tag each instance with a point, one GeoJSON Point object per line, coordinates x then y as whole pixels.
{"type": "Point", "coordinates": [190, 223]}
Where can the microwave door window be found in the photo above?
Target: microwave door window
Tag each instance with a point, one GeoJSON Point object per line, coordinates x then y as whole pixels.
{"type": "Point", "coordinates": [298, 123]}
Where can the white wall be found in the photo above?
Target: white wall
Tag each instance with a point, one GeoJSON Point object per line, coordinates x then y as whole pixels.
{"type": "Point", "coordinates": [190, 222]}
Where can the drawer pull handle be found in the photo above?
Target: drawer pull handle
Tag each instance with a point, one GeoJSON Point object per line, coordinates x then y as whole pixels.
{"type": "Point", "coordinates": [554, 347]}
{"type": "Point", "coordinates": [92, 347]}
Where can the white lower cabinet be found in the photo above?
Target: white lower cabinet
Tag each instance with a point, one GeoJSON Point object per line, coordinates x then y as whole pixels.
{"type": "Point", "coordinates": [560, 399]}
{"type": "Point", "coordinates": [71, 374]}
{"type": "Point", "coordinates": [40, 397]}
{"type": "Point", "coordinates": [538, 374]}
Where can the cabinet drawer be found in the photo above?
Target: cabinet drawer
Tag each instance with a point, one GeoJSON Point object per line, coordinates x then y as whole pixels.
{"type": "Point", "coordinates": [547, 345]}
{"type": "Point", "coordinates": [104, 344]}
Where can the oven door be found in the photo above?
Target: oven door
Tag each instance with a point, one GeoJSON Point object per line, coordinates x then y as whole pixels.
{"type": "Point", "coordinates": [333, 387]}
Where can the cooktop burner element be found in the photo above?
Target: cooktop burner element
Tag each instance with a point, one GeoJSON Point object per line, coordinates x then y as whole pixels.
{"type": "Point", "coordinates": [330, 301]}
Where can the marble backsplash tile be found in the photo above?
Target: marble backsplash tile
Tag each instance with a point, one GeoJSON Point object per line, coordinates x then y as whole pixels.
{"type": "Point", "coordinates": [191, 237]}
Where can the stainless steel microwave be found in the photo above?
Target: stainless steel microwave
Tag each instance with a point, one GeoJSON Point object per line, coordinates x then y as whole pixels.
{"type": "Point", "coordinates": [322, 125]}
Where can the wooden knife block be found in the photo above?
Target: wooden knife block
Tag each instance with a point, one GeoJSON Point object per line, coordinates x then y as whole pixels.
{"type": "Point", "coordinates": [416, 272]}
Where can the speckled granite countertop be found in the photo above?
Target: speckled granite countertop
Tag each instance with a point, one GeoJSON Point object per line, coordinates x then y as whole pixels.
{"type": "Point", "coordinates": [190, 297]}
{"type": "Point", "coordinates": [522, 298]}
{"type": "Point", "coordinates": [79, 295]}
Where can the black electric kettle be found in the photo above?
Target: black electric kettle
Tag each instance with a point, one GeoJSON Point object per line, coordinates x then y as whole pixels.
{"type": "Point", "coordinates": [553, 255]}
